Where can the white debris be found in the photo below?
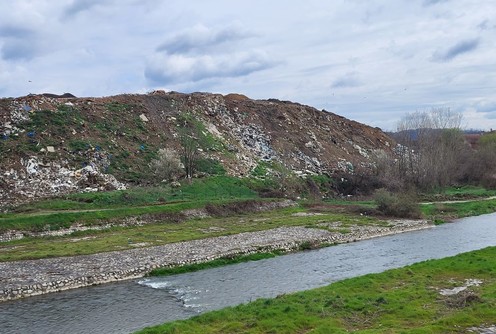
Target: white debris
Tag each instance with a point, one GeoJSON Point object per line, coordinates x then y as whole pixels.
{"type": "Point", "coordinates": [32, 166]}
{"type": "Point", "coordinates": [458, 289]}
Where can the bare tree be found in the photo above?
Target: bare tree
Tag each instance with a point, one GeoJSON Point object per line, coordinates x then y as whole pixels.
{"type": "Point", "coordinates": [430, 146]}
{"type": "Point", "coordinates": [485, 169]}
{"type": "Point", "coordinates": [190, 136]}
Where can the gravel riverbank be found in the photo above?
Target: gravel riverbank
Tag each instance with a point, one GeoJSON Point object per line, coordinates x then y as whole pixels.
{"type": "Point", "coordinates": [28, 278]}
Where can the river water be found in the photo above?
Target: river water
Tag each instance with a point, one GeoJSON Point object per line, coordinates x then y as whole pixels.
{"type": "Point", "coordinates": [127, 306]}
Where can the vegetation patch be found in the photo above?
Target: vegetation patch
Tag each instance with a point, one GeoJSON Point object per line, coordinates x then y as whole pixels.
{"type": "Point", "coordinates": [163, 228]}
{"type": "Point", "coordinates": [234, 208]}
{"type": "Point", "coordinates": [397, 205]}
{"type": "Point", "coordinates": [448, 211]}
{"type": "Point", "coordinates": [223, 261]}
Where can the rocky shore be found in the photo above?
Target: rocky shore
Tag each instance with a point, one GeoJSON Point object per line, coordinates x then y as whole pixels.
{"type": "Point", "coordinates": [28, 278]}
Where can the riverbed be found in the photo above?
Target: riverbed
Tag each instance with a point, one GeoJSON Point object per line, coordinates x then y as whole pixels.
{"type": "Point", "coordinates": [128, 306]}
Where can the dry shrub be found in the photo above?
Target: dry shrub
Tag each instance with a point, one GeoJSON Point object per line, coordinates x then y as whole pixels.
{"type": "Point", "coordinates": [167, 166]}
{"type": "Point", "coordinates": [397, 205]}
{"type": "Point", "coordinates": [462, 299]}
{"type": "Point", "coordinates": [164, 217]}
{"type": "Point", "coordinates": [235, 208]}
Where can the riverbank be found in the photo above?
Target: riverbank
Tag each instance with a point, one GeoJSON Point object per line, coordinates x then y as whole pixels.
{"type": "Point", "coordinates": [450, 295]}
{"type": "Point", "coordinates": [20, 279]}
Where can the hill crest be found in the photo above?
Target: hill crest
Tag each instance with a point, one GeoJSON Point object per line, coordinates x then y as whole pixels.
{"type": "Point", "coordinates": [53, 144]}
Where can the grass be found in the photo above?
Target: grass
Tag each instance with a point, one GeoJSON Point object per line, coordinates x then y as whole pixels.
{"type": "Point", "coordinates": [213, 188]}
{"type": "Point", "coordinates": [404, 300]}
{"type": "Point", "coordinates": [90, 208]}
{"type": "Point", "coordinates": [448, 211]}
{"type": "Point", "coordinates": [56, 220]}
{"type": "Point", "coordinates": [212, 264]}
{"type": "Point", "coordinates": [226, 198]}
{"type": "Point", "coordinates": [458, 193]}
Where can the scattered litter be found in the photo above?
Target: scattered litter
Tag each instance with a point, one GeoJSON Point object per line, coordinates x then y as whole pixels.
{"type": "Point", "coordinates": [458, 289]}
{"type": "Point", "coordinates": [483, 329]}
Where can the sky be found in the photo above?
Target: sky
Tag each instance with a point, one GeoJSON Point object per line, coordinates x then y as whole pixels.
{"type": "Point", "coordinates": [372, 61]}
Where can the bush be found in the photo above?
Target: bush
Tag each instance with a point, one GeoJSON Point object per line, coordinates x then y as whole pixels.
{"type": "Point", "coordinates": [397, 205]}
{"type": "Point", "coordinates": [167, 166]}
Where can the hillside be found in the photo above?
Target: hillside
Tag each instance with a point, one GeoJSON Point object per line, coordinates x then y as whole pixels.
{"type": "Point", "coordinates": [52, 145]}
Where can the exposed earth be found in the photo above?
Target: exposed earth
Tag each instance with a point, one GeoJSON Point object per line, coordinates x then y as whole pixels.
{"type": "Point", "coordinates": [52, 145]}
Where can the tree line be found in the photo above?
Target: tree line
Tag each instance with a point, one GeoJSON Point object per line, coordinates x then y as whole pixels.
{"type": "Point", "coordinates": [432, 153]}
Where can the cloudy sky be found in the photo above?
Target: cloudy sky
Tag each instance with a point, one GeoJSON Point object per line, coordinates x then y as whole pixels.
{"type": "Point", "coordinates": [368, 60]}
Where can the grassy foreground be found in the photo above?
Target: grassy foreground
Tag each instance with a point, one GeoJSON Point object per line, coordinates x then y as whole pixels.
{"type": "Point", "coordinates": [405, 300]}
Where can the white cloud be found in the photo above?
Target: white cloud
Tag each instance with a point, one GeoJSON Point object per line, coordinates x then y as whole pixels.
{"type": "Point", "coordinates": [202, 53]}
{"type": "Point", "coordinates": [172, 69]}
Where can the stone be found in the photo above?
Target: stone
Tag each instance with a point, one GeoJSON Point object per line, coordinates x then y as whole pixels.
{"type": "Point", "coordinates": [50, 149]}
{"type": "Point", "coordinates": [143, 118]}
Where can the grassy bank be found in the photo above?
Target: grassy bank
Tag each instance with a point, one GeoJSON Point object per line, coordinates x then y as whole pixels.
{"type": "Point", "coordinates": [120, 238]}
{"type": "Point", "coordinates": [91, 208]}
{"type": "Point", "coordinates": [405, 300]}
{"type": "Point", "coordinates": [457, 193]}
{"type": "Point", "coordinates": [161, 208]}
{"type": "Point", "coordinates": [447, 211]}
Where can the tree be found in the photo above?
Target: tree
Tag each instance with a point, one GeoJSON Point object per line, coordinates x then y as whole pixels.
{"type": "Point", "coordinates": [195, 139]}
{"type": "Point", "coordinates": [430, 148]}
{"type": "Point", "coordinates": [190, 136]}
{"type": "Point", "coordinates": [167, 166]}
{"type": "Point", "coordinates": [485, 169]}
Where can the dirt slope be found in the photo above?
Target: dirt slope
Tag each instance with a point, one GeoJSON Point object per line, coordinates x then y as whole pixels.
{"type": "Point", "coordinates": [58, 144]}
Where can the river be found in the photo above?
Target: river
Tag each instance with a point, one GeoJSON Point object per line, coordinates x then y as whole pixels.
{"type": "Point", "coordinates": [127, 306]}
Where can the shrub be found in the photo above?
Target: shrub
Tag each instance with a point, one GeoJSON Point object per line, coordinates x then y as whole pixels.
{"type": "Point", "coordinates": [167, 166]}
{"type": "Point", "coordinates": [397, 205]}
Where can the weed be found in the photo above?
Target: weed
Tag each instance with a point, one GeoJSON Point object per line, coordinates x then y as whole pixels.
{"type": "Point", "coordinates": [118, 107]}
{"type": "Point", "coordinates": [210, 166]}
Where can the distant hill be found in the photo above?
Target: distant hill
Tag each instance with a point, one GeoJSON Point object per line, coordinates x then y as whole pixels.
{"type": "Point", "coordinates": [471, 135]}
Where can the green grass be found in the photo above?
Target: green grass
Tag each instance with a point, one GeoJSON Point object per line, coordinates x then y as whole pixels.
{"type": "Point", "coordinates": [405, 300]}
{"type": "Point", "coordinates": [63, 219]}
{"type": "Point", "coordinates": [221, 192]}
{"type": "Point", "coordinates": [90, 208]}
{"type": "Point", "coordinates": [212, 264]}
{"type": "Point", "coordinates": [458, 210]}
{"type": "Point", "coordinates": [212, 188]}
{"type": "Point", "coordinates": [458, 193]}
